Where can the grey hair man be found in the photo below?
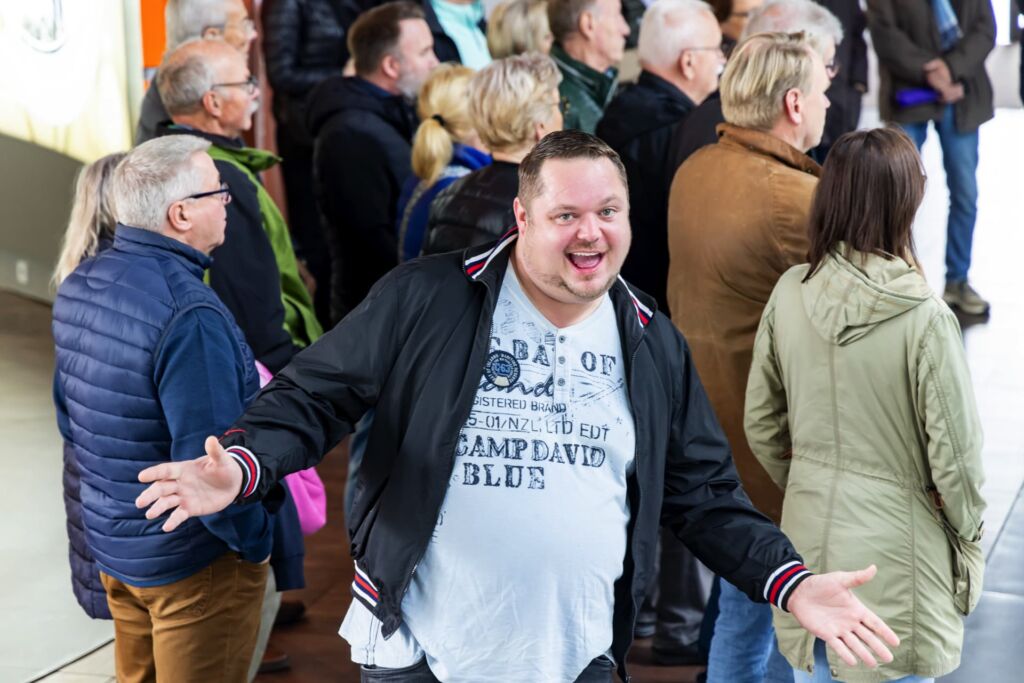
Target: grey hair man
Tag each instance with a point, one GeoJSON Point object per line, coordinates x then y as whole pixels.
{"type": "Point", "coordinates": [726, 256]}
{"type": "Point", "coordinates": [148, 361]}
{"type": "Point", "coordinates": [590, 36]}
{"type": "Point", "coordinates": [185, 20]}
{"type": "Point", "coordinates": [210, 93]}
{"type": "Point", "coordinates": [823, 31]}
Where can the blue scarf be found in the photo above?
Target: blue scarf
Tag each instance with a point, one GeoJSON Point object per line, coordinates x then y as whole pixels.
{"type": "Point", "coordinates": [949, 27]}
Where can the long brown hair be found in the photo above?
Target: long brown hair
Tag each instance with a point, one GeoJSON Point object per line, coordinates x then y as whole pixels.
{"type": "Point", "coordinates": [870, 189]}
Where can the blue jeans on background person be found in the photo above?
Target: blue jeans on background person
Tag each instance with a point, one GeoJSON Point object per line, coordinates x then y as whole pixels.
{"type": "Point", "coordinates": [743, 648]}
{"type": "Point", "coordinates": [822, 671]}
{"type": "Point", "coordinates": [960, 159]}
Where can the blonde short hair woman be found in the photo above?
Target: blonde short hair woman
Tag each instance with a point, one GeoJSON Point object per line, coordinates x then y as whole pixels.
{"type": "Point", "coordinates": [519, 26]}
{"type": "Point", "coordinates": [513, 103]}
{"type": "Point", "coordinates": [91, 225]}
{"type": "Point", "coordinates": [445, 148]}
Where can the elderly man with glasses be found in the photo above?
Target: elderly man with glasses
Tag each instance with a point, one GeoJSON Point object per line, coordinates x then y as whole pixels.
{"type": "Point", "coordinates": [210, 93]}
{"type": "Point", "coordinates": [226, 20]}
{"type": "Point", "coordinates": [148, 362]}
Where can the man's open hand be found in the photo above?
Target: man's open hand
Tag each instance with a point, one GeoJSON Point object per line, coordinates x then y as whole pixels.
{"type": "Point", "coordinates": [825, 606]}
{"type": "Point", "coordinates": [192, 487]}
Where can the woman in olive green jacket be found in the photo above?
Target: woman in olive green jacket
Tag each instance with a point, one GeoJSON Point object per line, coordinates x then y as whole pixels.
{"type": "Point", "coordinates": [859, 405]}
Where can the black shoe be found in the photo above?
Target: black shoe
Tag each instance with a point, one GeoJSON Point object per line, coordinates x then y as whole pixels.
{"type": "Point", "coordinates": [274, 660]}
{"type": "Point", "coordinates": [686, 655]}
{"type": "Point", "coordinates": [289, 612]}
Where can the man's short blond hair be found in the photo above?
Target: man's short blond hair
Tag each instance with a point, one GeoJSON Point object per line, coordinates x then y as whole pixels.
{"type": "Point", "coordinates": [509, 97]}
{"type": "Point", "coordinates": [761, 70]}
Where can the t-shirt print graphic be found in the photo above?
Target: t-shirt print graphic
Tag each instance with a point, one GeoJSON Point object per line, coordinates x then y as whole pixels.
{"type": "Point", "coordinates": [547, 398]}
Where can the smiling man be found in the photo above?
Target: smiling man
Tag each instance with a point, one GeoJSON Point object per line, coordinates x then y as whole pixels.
{"type": "Point", "coordinates": [535, 420]}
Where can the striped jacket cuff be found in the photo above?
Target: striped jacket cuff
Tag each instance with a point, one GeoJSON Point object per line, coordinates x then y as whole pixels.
{"type": "Point", "coordinates": [782, 582]}
{"type": "Point", "coordinates": [251, 469]}
{"type": "Point", "coordinates": [364, 589]}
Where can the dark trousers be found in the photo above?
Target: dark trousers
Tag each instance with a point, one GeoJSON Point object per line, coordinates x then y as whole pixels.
{"type": "Point", "coordinates": [599, 671]}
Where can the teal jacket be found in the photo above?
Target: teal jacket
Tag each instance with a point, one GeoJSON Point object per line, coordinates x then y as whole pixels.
{"type": "Point", "coordinates": [584, 91]}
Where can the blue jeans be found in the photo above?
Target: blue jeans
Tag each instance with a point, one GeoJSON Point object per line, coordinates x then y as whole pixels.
{"type": "Point", "coordinates": [743, 648]}
{"type": "Point", "coordinates": [821, 670]}
{"type": "Point", "coordinates": [960, 159]}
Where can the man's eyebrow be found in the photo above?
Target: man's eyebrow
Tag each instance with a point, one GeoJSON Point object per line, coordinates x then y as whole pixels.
{"type": "Point", "coordinates": [610, 199]}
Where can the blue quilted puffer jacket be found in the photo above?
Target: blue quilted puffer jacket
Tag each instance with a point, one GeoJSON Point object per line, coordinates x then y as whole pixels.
{"type": "Point", "coordinates": [149, 363]}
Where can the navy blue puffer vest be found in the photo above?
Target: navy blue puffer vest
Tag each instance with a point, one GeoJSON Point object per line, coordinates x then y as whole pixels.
{"type": "Point", "coordinates": [109, 319]}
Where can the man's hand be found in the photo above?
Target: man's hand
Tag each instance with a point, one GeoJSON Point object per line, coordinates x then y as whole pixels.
{"type": "Point", "coordinates": [825, 606]}
{"type": "Point", "coordinates": [937, 73]}
{"type": "Point", "coordinates": [191, 488]}
{"type": "Point", "coordinates": [953, 94]}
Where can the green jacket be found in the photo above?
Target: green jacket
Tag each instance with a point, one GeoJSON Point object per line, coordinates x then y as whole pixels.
{"type": "Point", "coordinates": [859, 405]}
{"type": "Point", "coordinates": [584, 92]}
{"type": "Point", "coordinates": [299, 317]}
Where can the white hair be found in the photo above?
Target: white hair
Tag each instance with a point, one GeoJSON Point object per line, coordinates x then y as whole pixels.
{"type": "Point", "coordinates": [792, 16]}
{"type": "Point", "coordinates": [187, 19]}
{"type": "Point", "coordinates": [668, 28]}
{"type": "Point", "coordinates": [185, 75]}
{"type": "Point", "coordinates": [153, 176]}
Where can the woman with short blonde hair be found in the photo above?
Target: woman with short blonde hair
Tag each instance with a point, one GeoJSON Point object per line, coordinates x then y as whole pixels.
{"type": "Point", "coordinates": [513, 103]}
{"type": "Point", "coordinates": [519, 26]}
{"type": "Point", "coordinates": [445, 148]}
{"type": "Point", "coordinates": [91, 225]}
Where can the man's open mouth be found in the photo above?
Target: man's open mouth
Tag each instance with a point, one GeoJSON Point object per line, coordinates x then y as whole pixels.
{"type": "Point", "coordinates": [585, 260]}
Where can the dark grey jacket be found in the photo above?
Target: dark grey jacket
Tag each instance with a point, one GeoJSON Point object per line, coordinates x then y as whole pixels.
{"type": "Point", "coordinates": [905, 37]}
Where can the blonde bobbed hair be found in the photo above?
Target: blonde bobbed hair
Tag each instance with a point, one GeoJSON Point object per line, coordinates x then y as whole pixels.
{"type": "Point", "coordinates": [443, 107]}
{"type": "Point", "coordinates": [509, 97]}
{"type": "Point", "coordinates": [92, 216]}
{"type": "Point", "coordinates": [518, 26]}
{"type": "Point", "coordinates": [761, 70]}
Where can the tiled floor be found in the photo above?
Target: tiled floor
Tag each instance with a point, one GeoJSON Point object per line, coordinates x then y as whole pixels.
{"type": "Point", "coordinates": [41, 627]}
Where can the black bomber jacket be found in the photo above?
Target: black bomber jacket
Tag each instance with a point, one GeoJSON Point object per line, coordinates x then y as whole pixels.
{"type": "Point", "coordinates": [414, 350]}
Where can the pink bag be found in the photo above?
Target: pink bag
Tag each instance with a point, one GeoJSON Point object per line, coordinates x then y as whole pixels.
{"type": "Point", "coordinates": [305, 485]}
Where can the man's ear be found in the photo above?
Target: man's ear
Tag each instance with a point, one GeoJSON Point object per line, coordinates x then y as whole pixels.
{"type": "Point", "coordinates": [793, 102]}
{"type": "Point", "coordinates": [391, 67]}
{"type": "Point", "coordinates": [211, 103]}
{"type": "Point", "coordinates": [685, 64]}
{"type": "Point", "coordinates": [587, 24]}
{"type": "Point", "coordinates": [212, 32]}
{"type": "Point", "coordinates": [519, 209]}
{"type": "Point", "coordinates": [178, 217]}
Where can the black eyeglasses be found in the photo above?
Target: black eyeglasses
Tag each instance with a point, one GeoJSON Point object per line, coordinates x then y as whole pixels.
{"type": "Point", "coordinates": [249, 84]}
{"type": "Point", "coordinates": [224, 191]}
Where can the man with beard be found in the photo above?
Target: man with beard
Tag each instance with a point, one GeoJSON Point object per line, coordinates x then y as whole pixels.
{"type": "Point", "coordinates": [363, 127]}
{"type": "Point", "coordinates": [535, 420]}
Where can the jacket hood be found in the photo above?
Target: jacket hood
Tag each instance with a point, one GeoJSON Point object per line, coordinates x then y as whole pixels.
{"type": "Point", "coordinates": [850, 295]}
{"type": "Point", "coordinates": [342, 93]}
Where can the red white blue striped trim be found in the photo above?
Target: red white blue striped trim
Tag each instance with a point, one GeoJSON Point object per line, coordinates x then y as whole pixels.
{"type": "Point", "coordinates": [782, 581]}
{"type": "Point", "coordinates": [643, 313]}
{"type": "Point", "coordinates": [251, 469]}
{"type": "Point", "coordinates": [363, 588]}
{"type": "Point", "coordinates": [477, 264]}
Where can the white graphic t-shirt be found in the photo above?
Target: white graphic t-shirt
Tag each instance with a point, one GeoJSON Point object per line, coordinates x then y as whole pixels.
{"type": "Point", "coordinates": [517, 581]}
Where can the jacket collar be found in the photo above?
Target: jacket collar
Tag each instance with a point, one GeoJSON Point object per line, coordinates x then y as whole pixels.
{"type": "Point", "coordinates": [768, 145]}
{"type": "Point", "coordinates": [256, 160]}
{"type": "Point", "coordinates": [139, 241]}
{"type": "Point", "coordinates": [665, 89]}
{"type": "Point", "coordinates": [470, 157]}
{"type": "Point", "coordinates": [488, 263]}
{"type": "Point", "coordinates": [600, 86]}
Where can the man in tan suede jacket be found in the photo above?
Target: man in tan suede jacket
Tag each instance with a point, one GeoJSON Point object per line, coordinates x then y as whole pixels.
{"type": "Point", "coordinates": [737, 221]}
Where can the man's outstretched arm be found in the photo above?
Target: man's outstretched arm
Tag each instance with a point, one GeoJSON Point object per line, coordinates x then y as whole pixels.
{"type": "Point", "coordinates": [303, 413]}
